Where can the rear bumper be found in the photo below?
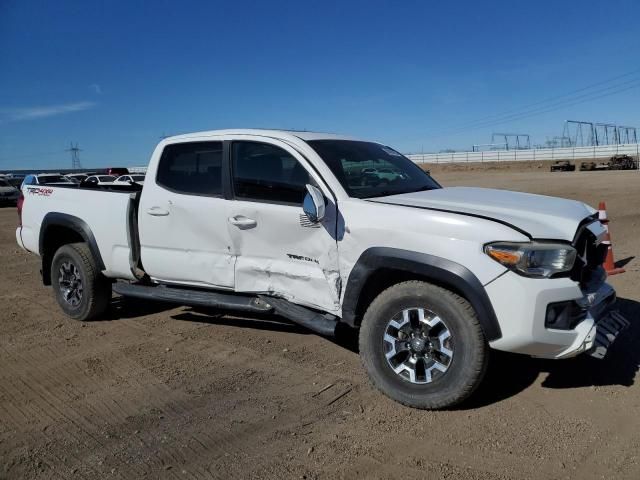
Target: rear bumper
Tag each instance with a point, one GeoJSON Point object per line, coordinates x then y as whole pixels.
{"type": "Point", "coordinates": [521, 307]}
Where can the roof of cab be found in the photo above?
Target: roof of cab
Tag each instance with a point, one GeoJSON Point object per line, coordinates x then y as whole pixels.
{"type": "Point", "coordinates": [279, 134]}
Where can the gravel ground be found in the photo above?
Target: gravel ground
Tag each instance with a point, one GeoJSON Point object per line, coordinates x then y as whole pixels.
{"type": "Point", "coordinates": [160, 392]}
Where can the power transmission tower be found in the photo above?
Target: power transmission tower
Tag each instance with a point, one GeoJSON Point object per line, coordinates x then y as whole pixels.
{"type": "Point", "coordinates": [522, 140]}
{"type": "Point", "coordinates": [580, 134]}
{"type": "Point", "coordinates": [587, 134]}
{"type": "Point", "coordinates": [75, 156]}
{"type": "Point", "coordinates": [606, 134]}
{"type": "Point", "coordinates": [628, 134]}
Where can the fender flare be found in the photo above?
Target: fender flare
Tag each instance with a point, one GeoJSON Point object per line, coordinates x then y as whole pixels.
{"type": "Point", "coordinates": [441, 271]}
{"type": "Point", "coordinates": [79, 226]}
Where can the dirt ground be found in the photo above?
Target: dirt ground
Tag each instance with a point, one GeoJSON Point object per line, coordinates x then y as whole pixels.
{"type": "Point", "coordinates": [160, 392]}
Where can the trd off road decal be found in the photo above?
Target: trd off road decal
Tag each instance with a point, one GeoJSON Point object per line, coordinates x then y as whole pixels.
{"type": "Point", "coordinates": [301, 257]}
{"type": "Point", "coordinates": [40, 191]}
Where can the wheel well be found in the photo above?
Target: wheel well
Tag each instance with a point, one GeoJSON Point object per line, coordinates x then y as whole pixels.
{"type": "Point", "coordinates": [55, 237]}
{"type": "Point", "coordinates": [384, 278]}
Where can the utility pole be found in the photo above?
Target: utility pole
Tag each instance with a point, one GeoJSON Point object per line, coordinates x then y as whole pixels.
{"type": "Point", "coordinates": [75, 156]}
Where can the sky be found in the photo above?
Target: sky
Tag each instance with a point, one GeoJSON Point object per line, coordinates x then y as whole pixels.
{"type": "Point", "coordinates": [115, 76]}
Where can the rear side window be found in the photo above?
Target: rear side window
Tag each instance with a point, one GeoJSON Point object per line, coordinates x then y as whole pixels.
{"type": "Point", "coordinates": [192, 168]}
{"type": "Point", "coordinates": [267, 173]}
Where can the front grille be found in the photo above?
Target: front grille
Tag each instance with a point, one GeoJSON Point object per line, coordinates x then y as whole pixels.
{"type": "Point", "coordinates": [587, 269]}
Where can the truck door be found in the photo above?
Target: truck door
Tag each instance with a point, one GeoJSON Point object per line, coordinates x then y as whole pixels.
{"type": "Point", "coordinates": [278, 250]}
{"type": "Point", "coordinates": [183, 217]}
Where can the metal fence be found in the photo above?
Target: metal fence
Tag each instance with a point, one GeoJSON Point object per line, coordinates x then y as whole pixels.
{"type": "Point", "coordinates": [568, 153]}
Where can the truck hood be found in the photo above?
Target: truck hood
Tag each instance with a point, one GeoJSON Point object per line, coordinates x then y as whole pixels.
{"type": "Point", "coordinates": [539, 216]}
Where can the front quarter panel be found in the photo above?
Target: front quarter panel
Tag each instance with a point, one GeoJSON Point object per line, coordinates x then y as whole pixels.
{"type": "Point", "coordinates": [455, 237]}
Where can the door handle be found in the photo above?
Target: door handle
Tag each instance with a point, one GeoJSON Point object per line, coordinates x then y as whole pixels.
{"type": "Point", "coordinates": [158, 212]}
{"type": "Point", "coordinates": [242, 222]}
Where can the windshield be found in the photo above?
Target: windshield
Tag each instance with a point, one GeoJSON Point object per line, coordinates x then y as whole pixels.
{"type": "Point", "coordinates": [367, 170]}
{"type": "Point", "coordinates": [106, 178]}
{"type": "Point", "coordinates": [137, 178]}
{"type": "Point", "coordinates": [4, 183]}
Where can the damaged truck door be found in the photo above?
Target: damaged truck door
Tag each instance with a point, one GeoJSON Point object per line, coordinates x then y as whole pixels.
{"type": "Point", "coordinates": [183, 214]}
{"type": "Point", "coordinates": [278, 248]}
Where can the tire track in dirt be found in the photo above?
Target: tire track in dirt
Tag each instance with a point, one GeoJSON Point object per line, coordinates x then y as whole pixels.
{"type": "Point", "coordinates": [100, 409]}
{"type": "Point", "coordinates": [37, 368]}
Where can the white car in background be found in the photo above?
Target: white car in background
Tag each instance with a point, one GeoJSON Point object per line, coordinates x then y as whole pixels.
{"type": "Point", "coordinates": [8, 193]}
{"type": "Point", "coordinates": [95, 180]}
{"type": "Point", "coordinates": [77, 177]}
{"type": "Point", "coordinates": [129, 179]}
{"type": "Point", "coordinates": [56, 179]}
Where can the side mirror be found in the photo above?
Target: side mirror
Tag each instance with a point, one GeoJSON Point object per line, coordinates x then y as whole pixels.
{"type": "Point", "coordinates": [313, 204]}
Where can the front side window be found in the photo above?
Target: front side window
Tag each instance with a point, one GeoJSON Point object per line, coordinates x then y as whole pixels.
{"type": "Point", "coordinates": [267, 173]}
{"type": "Point", "coordinates": [192, 168]}
{"type": "Point", "coordinates": [368, 170]}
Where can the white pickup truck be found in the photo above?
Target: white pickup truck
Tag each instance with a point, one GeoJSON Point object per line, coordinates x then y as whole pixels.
{"type": "Point", "coordinates": [299, 224]}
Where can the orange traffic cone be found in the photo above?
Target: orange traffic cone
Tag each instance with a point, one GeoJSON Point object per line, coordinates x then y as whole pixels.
{"type": "Point", "coordinates": [609, 265]}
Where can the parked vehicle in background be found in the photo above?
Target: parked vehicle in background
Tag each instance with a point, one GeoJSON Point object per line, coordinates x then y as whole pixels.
{"type": "Point", "coordinates": [15, 181]}
{"type": "Point", "coordinates": [587, 166]}
{"type": "Point", "coordinates": [380, 176]}
{"type": "Point", "coordinates": [268, 221]}
{"type": "Point", "coordinates": [617, 162]}
{"type": "Point", "coordinates": [563, 166]}
{"type": "Point", "coordinates": [623, 162]}
{"type": "Point", "coordinates": [8, 193]}
{"type": "Point", "coordinates": [45, 179]}
{"type": "Point", "coordinates": [77, 177]}
{"type": "Point", "coordinates": [117, 171]}
{"type": "Point", "coordinates": [133, 178]}
{"type": "Point", "coordinates": [95, 180]}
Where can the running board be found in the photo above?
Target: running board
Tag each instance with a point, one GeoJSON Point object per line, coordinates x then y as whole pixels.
{"type": "Point", "coordinates": [194, 298]}
{"type": "Point", "coordinates": [317, 322]}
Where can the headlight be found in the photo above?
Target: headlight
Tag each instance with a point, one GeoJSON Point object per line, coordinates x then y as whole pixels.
{"type": "Point", "coordinates": [541, 260]}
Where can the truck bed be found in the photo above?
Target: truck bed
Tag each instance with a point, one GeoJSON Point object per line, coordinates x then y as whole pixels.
{"type": "Point", "coordinates": [105, 211]}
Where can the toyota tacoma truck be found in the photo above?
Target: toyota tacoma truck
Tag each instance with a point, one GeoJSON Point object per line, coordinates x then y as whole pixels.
{"type": "Point", "coordinates": [284, 222]}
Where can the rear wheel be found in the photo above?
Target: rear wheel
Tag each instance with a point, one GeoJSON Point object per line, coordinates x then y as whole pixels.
{"type": "Point", "coordinates": [422, 345]}
{"type": "Point", "coordinates": [80, 289]}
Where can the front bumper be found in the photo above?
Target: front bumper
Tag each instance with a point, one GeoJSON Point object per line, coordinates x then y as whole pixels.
{"type": "Point", "coordinates": [520, 305]}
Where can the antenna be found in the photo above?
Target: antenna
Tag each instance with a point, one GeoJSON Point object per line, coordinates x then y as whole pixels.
{"type": "Point", "coordinates": [75, 156]}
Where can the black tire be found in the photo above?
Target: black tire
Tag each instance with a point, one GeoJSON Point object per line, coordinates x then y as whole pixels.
{"type": "Point", "coordinates": [92, 297]}
{"type": "Point", "coordinates": [470, 350]}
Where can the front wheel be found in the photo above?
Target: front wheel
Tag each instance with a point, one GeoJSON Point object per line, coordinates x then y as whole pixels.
{"type": "Point", "coordinates": [80, 289]}
{"type": "Point", "coordinates": [422, 345]}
